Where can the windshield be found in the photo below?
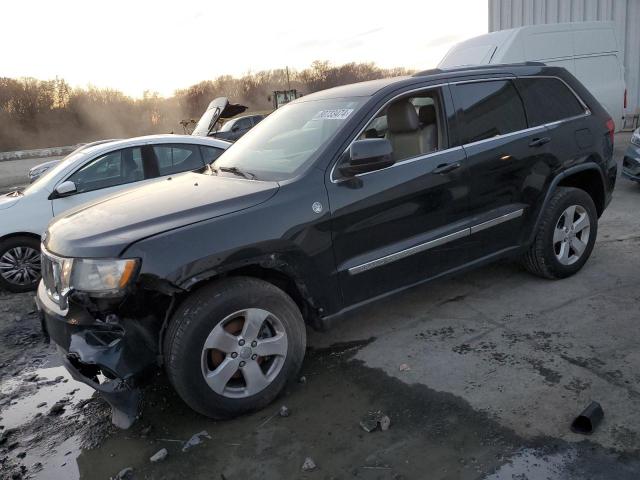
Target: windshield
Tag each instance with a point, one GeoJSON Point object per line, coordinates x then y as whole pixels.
{"type": "Point", "coordinates": [53, 171]}
{"type": "Point", "coordinates": [285, 142]}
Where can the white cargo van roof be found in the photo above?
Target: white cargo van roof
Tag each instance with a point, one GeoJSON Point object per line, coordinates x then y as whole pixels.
{"type": "Point", "coordinates": [534, 43]}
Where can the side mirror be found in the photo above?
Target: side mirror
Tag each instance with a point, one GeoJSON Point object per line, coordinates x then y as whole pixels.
{"type": "Point", "coordinates": [366, 156]}
{"type": "Point", "coordinates": [65, 188]}
{"type": "Point", "coordinates": [235, 127]}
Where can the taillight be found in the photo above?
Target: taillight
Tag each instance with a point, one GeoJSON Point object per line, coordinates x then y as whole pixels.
{"type": "Point", "coordinates": [611, 126]}
{"type": "Point", "coordinates": [625, 98]}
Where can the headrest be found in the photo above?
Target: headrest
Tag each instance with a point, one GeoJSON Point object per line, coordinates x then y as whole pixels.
{"type": "Point", "coordinates": [427, 114]}
{"type": "Point", "coordinates": [402, 117]}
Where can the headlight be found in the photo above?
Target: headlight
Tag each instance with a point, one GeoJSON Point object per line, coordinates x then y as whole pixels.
{"type": "Point", "coordinates": [635, 138]}
{"type": "Point", "coordinates": [36, 172]}
{"type": "Point", "coordinates": [105, 277]}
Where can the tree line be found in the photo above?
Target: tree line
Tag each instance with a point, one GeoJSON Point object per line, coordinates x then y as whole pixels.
{"type": "Point", "coordinates": [45, 113]}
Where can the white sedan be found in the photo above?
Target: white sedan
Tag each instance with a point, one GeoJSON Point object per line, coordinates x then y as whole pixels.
{"type": "Point", "coordinates": [85, 176]}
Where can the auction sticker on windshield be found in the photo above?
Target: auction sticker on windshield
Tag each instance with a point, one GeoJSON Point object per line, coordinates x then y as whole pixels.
{"type": "Point", "coordinates": [336, 114]}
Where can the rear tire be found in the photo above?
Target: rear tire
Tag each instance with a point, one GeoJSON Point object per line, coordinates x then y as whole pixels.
{"type": "Point", "coordinates": [20, 264]}
{"type": "Point", "coordinates": [566, 235]}
{"type": "Point", "coordinates": [232, 346]}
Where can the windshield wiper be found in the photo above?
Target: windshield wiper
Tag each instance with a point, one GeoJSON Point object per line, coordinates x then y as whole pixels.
{"type": "Point", "coordinates": [237, 171]}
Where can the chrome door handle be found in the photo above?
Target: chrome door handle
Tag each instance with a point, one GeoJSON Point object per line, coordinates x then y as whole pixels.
{"type": "Point", "coordinates": [447, 167]}
{"type": "Point", "coordinates": [538, 142]}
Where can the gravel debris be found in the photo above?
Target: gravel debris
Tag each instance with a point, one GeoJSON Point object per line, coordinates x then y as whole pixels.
{"type": "Point", "coordinates": [159, 456]}
{"type": "Point", "coordinates": [195, 440]}
{"type": "Point", "coordinates": [309, 465]}
{"type": "Point", "coordinates": [284, 411]}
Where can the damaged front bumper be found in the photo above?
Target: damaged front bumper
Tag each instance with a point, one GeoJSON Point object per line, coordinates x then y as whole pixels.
{"type": "Point", "coordinates": [121, 351]}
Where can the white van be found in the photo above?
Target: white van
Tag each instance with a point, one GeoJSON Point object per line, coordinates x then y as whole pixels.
{"type": "Point", "coordinates": [589, 50]}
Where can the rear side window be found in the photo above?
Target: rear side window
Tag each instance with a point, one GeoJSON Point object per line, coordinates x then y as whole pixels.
{"type": "Point", "coordinates": [177, 158]}
{"type": "Point", "coordinates": [548, 100]}
{"type": "Point", "coordinates": [488, 109]}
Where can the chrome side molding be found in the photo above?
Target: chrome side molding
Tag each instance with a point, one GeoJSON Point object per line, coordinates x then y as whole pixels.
{"type": "Point", "coordinates": [496, 221]}
{"type": "Point", "coordinates": [378, 262]}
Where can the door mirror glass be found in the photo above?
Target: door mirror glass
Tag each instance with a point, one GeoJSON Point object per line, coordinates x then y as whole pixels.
{"type": "Point", "coordinates": [66, 188]}
{"type": "Point", "coordinates": [366, 156]}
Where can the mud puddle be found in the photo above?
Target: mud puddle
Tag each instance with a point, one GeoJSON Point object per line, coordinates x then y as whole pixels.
{"type": "Point", "coordinates": [433, 435]}
{"type": "Point", "coordinates": [46, 418]}
{"type": "Point", "coordinates": [36, 392]}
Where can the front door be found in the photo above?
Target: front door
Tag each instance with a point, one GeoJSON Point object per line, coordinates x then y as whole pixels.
{"type": "Point", "coordinates": [102, 176]}
{"type": "Point", "coordinates": [114, 171]}
{"type": "Point", "coordinates": [397, 226]}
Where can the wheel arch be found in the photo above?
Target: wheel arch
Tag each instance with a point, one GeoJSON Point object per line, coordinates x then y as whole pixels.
{"type": "Point", "coordinates": [273, 269]}
{"type": "Point", "coordinates": [590, 180]}
{"type": "Point", "coordinates": [20, 234]}
{"type": "Point", "coordinates": [588, 177]}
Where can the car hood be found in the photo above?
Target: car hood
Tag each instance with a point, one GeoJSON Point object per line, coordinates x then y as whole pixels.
{"type": "Point", "coordinates": [218, 108]}
{"type": "Point", "coordinates": [107, 227]}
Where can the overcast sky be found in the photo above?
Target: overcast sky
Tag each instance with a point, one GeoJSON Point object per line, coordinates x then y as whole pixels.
{"type": "Point", "coordinates": [139, 45]}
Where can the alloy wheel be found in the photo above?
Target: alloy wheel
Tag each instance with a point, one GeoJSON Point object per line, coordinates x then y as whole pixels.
{"type": "Point", "coordinates": [244, 353]}
{"type": "Point", "coordinates": [571, 235]}
{"type": "Point", "coordinates": [20, 265]}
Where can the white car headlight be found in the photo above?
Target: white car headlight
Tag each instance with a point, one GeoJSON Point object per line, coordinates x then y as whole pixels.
{"type": "Point", "coordinates": [38, 171]}
{"type": "Point", "coordinates": [101, 276]}
{"type": "Point", "coordinates": [635, 138]}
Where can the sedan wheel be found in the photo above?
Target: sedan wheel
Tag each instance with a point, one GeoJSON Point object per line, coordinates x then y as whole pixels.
{"type": "Point", "coordinates": [19, 264]}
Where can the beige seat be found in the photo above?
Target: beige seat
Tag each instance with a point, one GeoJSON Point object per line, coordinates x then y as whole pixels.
{"type": "Point", "coordinates": [403, 130]}
{"type": "Point", "coordinates": [428, 128]}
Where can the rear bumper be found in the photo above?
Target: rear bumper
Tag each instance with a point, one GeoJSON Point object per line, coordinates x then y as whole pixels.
{"type": "Point", "coordinates": [122, 351]}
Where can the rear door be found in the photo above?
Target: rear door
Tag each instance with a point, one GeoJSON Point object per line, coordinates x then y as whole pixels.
{"type": "Point", "coordinates": [549, 102]}
{"type": "Point", "coordinates": [507, 161]}
{"type": "Point", "coordinates": [400, 225]}
{"type": "Point", "coordinates": [176, 158]}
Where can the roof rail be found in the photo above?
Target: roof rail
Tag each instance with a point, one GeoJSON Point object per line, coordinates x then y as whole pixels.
{"type": "Point", "coordinates": [434, 71]}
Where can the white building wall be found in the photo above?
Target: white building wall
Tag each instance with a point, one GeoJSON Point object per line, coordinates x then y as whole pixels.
{"type": "Point", "coordinates": [505, 14]}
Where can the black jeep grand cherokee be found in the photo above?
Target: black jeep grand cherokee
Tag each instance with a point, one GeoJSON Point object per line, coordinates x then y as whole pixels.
{"type": "Point", "coordinates": [334, 200]}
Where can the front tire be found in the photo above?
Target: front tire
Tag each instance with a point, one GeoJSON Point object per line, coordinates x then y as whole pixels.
{"type": "Point", "coordinates": [232, 346]}
{"type": "Point", "coordinates": [19, 264]}
{"type": "Point", "coordinates": [566, 235]}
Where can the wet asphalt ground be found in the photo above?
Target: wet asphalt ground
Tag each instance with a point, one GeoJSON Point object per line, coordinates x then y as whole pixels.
{"type": "Point", "coordinates": [480, 375]}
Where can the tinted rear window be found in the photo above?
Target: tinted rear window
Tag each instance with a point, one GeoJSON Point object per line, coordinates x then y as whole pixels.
{"type": "Point", "coordinates": [548, 100]}
{"type": "Point", "coordinates": [488, 109]}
